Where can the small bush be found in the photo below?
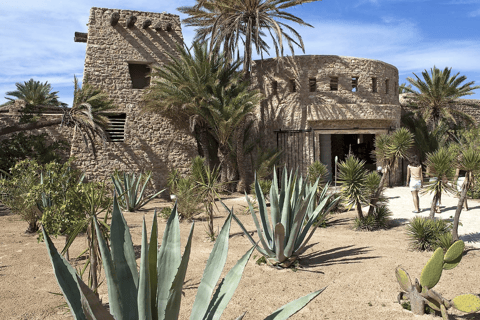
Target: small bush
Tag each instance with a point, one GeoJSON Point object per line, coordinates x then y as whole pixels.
{"type": "Point", "coordinates": [265, 185]}
{"type": "Point", "coordinates": [165, 212]}
{"type": "Point", "coordinates": [379, 220]}
{"type": "Point", "coordinates": [425, 233]}
{"type": "Point", "coordinates": [187, 198]}
{"type": "Point", "coordinates": [317, 170]}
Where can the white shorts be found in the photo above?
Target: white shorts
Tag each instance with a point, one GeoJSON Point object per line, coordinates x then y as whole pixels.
{"type": "Point", "coordinates": [415, 184]}
{"type": "Point", "coordinates": [460, 183]}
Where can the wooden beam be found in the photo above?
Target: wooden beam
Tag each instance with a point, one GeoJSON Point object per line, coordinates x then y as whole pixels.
{"type": "Point", "coordinates": [80, 37]}
{"type": "Point", "coordinates": [146, 24]}
{"type": "Point", "coordinates": [131, 21]}
{"type": "Point", "coordinates": [114, 19]}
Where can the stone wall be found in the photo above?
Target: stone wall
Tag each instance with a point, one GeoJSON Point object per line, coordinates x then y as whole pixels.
{"type": "Point", "coordinates": [313, 106]}
{"type": "Point", "coordinates": [151, 142]}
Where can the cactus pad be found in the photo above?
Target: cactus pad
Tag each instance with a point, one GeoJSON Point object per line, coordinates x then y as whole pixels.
{"type": "Point", "coordinates": [403, 279]}
{"type": "Point", "coordinates": [432, 271]}
{"type": "Point", "coordinates": [432, 303]}
{"type": "Point", "coordinates": [467, 303]}
{"type": "Point", "coordinates": [453, 264]}
{"type": "Point", "coordinates": [454, 252]}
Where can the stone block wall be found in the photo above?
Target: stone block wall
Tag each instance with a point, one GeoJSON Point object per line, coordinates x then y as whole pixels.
{"type": "Point", "coordinates": [151, 142]}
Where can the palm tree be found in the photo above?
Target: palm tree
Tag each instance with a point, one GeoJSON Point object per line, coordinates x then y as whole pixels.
{"type": "Point", "coordinates": [34, 93]}
{"type": "Point", "coordinates": [226, 110]}
{"type": "Point", "coordinates": [437, 92]}
{"type": "Point", "coordinates": [469, 161]}
{"type": "Point", "coordinates": [353, 177]}
{"type": "Point", "coordinates": [442, 169]}
{"type": "Point", "coordinates": [247, 22]}
{"type": "Point", "coordinates": [182, 89]}
{"type": "Point", "coordinates": [86, 115]}
{"type": "Point", "coordinates": [389, 148]}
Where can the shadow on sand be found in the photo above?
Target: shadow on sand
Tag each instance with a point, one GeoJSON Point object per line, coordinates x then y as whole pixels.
{"type": "Point", "coordinates": [339, 255]}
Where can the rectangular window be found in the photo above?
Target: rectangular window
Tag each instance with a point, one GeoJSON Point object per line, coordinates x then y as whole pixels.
{"type": "Point", "coordinates": [312, 84]}
{"type": "Point", "coordinates": [387, 82]}
{"type": "Point", "coordinates": [116, 127]}
{"type": "Point", "coordinates": [293, 85]}
{"type": "Point", "coordinates": [333, 83]}
{"type": "Point", "coordinates": [374, 85]}
{"type": "Point", "coordinates": [354, 84]}
{"type": "Point", "coordinates": [140, 75]}
{"type": "Point", "coordinates": [274, 87]}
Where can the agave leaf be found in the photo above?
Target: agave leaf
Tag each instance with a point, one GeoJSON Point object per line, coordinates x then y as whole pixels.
{"type": "Point", "coordinates": [168, 261]}
{"type": "Point", "coordinates": [403, 279]}
{"type": "Point", "coordinates": [287, 207]}
{"type": "Point", "coordinates": [468, 303]}
{"type": "Point", "coordinates": [226, 288]}
{"type": "Point", "coordinates": [454, 252]}
{"type": "Point", "coordinates": [262, 207]}
{"type": "Point", "coordinates": [279, 242]}
{"type": "Point", "coordinates": [175, 296]}
{"type": "Point", "coordinates": [432, 271]}
{"type": "Point", "coordinates": [66, 278]}
{"type": "Point", "coordinates": [274, 201]}
{"type": "Point", "coordinates": [213, 270]}
{"type": "Point", "coordinates": [249, 237]}
{"type": "Point", "coordinates": [92, 306]}
{"type": "Point", "coordinates": [114, 294]}
{"type": "Point", "coordinates": [123, 256]}
{"type": "Point", "coordinates": [262, 234]}
{"type": "Point", "coordinates": [293, 307]}
{"type": "Point", "coordinates": [297, 224]}
{"type": "Point", "coordinates": [143, 296]}
{"type": "Point", "coordinates": [241, 317]}
{"type": "Point", "coordinates": [152, 265]}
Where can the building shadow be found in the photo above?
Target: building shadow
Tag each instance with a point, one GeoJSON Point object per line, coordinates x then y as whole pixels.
{"type": "Point", "coordinates": [470, 237]}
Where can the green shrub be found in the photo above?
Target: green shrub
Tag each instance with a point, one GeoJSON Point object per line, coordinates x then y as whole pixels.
{"type": "Point", "coordinates": [188, 199]}
{"type": "Point", "coordinates": [318, 170]}
{"type": "Point", "coordinates": [424, 233]}
{"type": "Point", "coordinates": [265, 186]}
{"type": "Point", "coordinates": [379, 220]}
{"type": "Point", "coordinates": [165, 212]}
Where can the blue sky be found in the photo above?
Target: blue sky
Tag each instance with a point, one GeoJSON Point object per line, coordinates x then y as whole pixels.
{"type": "Point", "coordinates": [413, 35]}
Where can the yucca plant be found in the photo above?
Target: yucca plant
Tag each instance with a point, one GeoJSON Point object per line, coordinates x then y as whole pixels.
{"type": "Point", "coordinates": [155, 290]}
{"type": "Point", "coordinates": [293, 210]}
{"type": "Point", "coordinates": [425, 233]}
{"type": "Point", "coordinates": [131, 189]}
{"type": "Point", "coordinates": [441, 164]}
{"type": "Point", "coordinates": [353, 178]}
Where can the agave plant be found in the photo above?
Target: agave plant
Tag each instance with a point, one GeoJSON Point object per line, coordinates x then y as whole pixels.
{"type": "Point", "coordinates": [293, 211]}
{"type": "Point", "coordinates": [131, 189]}
{"type": "Point", "coordinates": [155, 291]}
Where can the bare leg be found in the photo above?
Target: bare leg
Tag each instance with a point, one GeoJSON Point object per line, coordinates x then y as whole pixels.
{"type": "Point", "coordinates": [465, 204]}
{"type": "Point", "coordinates": [416, 200]}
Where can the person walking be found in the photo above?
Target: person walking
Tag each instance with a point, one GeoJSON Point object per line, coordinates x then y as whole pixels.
{"type": "Point", "coordinates": [460, 178]}
{"type": "Point", "coordinates": [415, 181]}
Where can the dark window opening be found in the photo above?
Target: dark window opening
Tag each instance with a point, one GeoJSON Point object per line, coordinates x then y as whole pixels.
{"type": "Point", "coordinates": [374, 85]}
{"type": "Point", "coordinates": [140, 75]}
{"type": "Point", "coordinates": [354, 84]}
{"type": "Point", "coordinates": [312, 84]}
{"type": "Point", "coordinates": [334, 83]}
{"type": "Point", "coordinates": [293, 85]}
{"type": "Point", "coordinates": [274, 87]}
{"type": "Point", "coordinates": [116, 127]}
{"type": "Point", "coordinates": [386, 86]}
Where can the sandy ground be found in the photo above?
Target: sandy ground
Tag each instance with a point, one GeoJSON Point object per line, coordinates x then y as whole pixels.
{"type": "Point", "coordinates": [356, 267]}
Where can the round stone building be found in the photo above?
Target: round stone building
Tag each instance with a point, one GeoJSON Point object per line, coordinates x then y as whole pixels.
{"type": "Point", "coordinates": [318, 107]}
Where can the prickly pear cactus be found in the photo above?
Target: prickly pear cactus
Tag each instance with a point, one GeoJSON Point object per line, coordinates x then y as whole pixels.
{"type": "Point", "coordinates": [421, 293]}
{"type": "Point", "coordinates": [432, 271]}
{"type": "Point", "coordinates": [468, 303]}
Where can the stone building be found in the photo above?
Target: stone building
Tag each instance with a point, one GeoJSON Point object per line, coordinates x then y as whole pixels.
{"type": "Point", "coordinates": [319, 107]}
{"type": "Point", "coordinates": [122, 48]}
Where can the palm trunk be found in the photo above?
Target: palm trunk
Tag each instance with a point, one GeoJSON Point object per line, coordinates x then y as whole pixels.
{"type": "Point", "coordinates": [377, 193]}
{"type": "Point", "coordinates": [93, 257]}
{"type": "Point", "coordinates": [359, 210]}
{"type": "Point", "coordinates": [223, 153]}
{"type": "Point", "coordinates": [202, 136]}
{"type": "Point", "coordinates": [29, 126]}
{"type": "Point", "coordinates": [433, 205]}
{"type": "Point", "coordinates": [463, 196]}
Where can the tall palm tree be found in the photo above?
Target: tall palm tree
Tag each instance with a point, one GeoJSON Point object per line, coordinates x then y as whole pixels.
{"type": "Point", "coordinates": [389, 148]}
{"type": "Point", "coordinates": [437, 92]}
{"type": "Point", "coordinates": [182, 89]}
{"type": "Point", "coordinates": [224, 112]}
{"type": "Point", "coordinates": [86, 115]}
{"type": "Point", "coordinates": [34, 93]}
{"type": "Point", "coordinates": [245, 22]}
